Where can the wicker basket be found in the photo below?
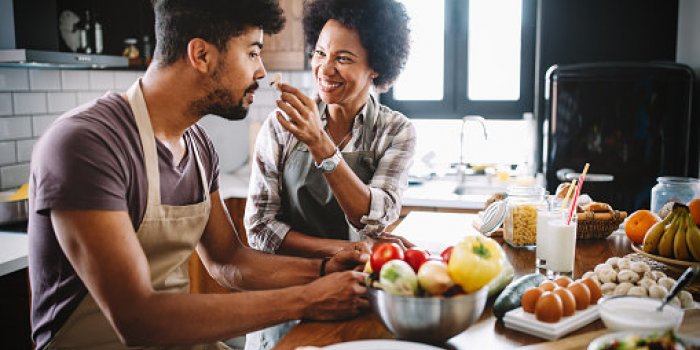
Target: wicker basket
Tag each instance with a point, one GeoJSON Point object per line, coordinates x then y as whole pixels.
{"type": "Point", "coordinates": [598, 226]}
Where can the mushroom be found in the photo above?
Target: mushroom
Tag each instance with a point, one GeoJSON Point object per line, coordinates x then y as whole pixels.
{"type": "Point", "coordinates": [622, 288]}
{"type": "Point", "coordinates": [686, 299]}
{"type": "Point", "coordinates": [647, 283]}
{"type": "Point", "coordinates": [637, 291]}
{"type": "Point", "coordinates": [608, 288]}
{"type": "Point", "coordinates": [627, 276]}
{"type": "Point", "coordinates": [666, 282]}
{"type": "Point", "coordinates": [640, 267]}
{"type": "Point", "coordinates": [658, 292]}
{"type": "Point", "coordinates": [606, 276]}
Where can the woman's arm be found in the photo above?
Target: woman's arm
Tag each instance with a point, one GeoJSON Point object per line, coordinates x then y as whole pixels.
{"type": "Point", "coordinates": [368, 207]}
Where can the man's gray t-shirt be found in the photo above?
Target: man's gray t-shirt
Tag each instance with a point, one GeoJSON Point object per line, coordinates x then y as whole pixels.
{"type": "Point", "coordinates": [91, 159]}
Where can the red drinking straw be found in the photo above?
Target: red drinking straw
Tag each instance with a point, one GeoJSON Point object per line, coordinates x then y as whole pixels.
{"type": "Point", "coordinates": [578, 191]}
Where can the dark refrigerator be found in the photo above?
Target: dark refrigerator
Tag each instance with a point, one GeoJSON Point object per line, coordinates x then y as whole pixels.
{"type": "Point", "coordinates": [630, 121]}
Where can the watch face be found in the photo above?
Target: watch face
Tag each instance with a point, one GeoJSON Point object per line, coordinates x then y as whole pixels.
{"type": "Point", "coordinates": [327, 165]}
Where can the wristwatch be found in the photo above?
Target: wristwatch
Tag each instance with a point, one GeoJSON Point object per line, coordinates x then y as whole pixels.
{"type": "Point", "coordinates": [329, 164]}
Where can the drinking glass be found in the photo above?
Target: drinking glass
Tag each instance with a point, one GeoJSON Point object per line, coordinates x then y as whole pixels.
{"type": "Point", "coordinates": [561, 238]}
{"type": "Point", "coordinates": [543, 245]}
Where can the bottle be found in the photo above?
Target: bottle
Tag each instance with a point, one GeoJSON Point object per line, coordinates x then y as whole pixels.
{"type": "Point", "coordinates": [89, 34]}
{"type": "Point", "coordinates": [132, 52]}
{"type": "Point", "coordinates": [147, 50]}
{"type": "Point", "coordinates": [99, 42]}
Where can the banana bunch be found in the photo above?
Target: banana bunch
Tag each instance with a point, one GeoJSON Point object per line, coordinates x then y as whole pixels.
{"type": "Point", "coordinates": [675, 237]}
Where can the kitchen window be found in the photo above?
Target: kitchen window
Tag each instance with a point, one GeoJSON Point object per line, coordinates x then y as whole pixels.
{"type": "Point", "coordinates": [482, 65]}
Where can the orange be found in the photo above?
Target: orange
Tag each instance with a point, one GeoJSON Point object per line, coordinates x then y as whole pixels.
{"type": "Point", "coordinates": [694, 206]}
{"type": "Point", "coordinates": [639, 223]}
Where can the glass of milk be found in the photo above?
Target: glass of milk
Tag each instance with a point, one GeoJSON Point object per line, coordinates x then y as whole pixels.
{"type": "Point", "coordinates": [561, 241]}
{"type": "Point", "coordinates": [543, 245]}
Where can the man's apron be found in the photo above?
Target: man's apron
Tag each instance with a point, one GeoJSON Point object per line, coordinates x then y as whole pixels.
{"type": "Point", "coordinates": [168, 235]}
{"type": "Point", "coordinates": [308, 204]}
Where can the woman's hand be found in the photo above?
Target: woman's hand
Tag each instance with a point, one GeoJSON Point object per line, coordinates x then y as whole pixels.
{"type": "Point", "coordinates": [386, 237]}
{"type": "Point", "coordinates": [304, 119]}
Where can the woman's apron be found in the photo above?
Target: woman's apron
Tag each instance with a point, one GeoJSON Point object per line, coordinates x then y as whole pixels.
{"type": "Point", "coordinates": [308, 204]}
{"type": "Point", "coordinates": [168, 235]}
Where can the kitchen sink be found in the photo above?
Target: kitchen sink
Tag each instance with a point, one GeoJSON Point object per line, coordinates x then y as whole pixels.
{"type": "Point", "coordinates": [448, 191]}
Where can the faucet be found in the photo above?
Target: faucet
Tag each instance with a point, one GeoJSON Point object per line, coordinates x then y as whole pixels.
{"type": "Point", "coordinates": [462, 166]}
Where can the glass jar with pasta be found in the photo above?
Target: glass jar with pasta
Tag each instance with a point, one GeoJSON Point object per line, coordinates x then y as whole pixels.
{"type": "Point", "coordinates": [520, 224]}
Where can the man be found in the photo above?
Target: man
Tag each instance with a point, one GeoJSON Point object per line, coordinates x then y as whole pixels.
{"type": "Point", "coordinates": [123, 189]}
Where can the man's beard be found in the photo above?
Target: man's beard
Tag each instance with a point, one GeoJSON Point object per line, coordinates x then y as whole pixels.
{"type": "Point", "coordinates": [220, 101]}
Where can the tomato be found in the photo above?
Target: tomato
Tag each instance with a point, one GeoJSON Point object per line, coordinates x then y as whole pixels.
{"type": "Point", "coordinates": [446, 254]}
{"type": "Point", "coordinates": [415, 258]}
{"type": "Point", "coordinates": [383, 253]}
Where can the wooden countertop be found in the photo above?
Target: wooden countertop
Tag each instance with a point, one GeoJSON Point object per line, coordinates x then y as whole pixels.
{"type": "Point", "coordinates": [435, 230]}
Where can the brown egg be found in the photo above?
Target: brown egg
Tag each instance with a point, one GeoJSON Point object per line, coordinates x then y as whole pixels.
{"type": "Point", "coordinates": [594, 288]}
{"type": "Point", "coordinates": [563, 281]}
{"type": "Point", "coordinates": [530, 298]}
{"type": "Point", "coordinates": [549, 308]}
{"type": "Point", "coordinates": [581, 293]}
{"type": "Point", "coordinates": [567, 300]}
{"type": "Point", "coordinates": [548, 286]}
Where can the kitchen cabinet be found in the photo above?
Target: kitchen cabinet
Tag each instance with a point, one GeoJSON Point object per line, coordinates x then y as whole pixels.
{"type": "Point", "coordinates": [285, 50]}
{"type": "Point", "coordinates": [119, 20]}
{"type": "Point", "coordinates": [15, 327]}
{"type": "Point", "coordinates": [200, 281]}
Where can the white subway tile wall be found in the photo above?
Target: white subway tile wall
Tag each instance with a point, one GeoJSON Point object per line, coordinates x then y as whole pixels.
{"type": "Point", "coordinates": [59, 102]}
{"type": "Point", "coordinates": [75, 80]}
{"type": "Point", "coordinates": [29, 102]}
{"type": "Point", "coordinates": [31, 99]}
{"type": "Point", "coordinates": [101, 80]}
{"type": "Point", "coordinates": [5, 103]}
{"type": "Point", "coordinates": [24, 150]}
{"type": "Point", "coordinates": [14, 175]}
{"type": "Point", "coordinates": [44, 79]}
{"type": "Point", "coordinates": [41, 122]}
{"type": "Point", "coordinates": [7, 153]}
{"type": "Point", "coordinates": [14, 79]}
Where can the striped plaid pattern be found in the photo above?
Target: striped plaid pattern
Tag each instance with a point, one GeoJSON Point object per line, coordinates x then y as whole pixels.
{"type": "Point", "coordinates": [393, 142]}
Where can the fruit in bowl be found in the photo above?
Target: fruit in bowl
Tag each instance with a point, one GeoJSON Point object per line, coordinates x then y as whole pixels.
{"type": "Point", "coordinates": [676, 236]}
{"type": "Point", "coordinates": [431, 300]}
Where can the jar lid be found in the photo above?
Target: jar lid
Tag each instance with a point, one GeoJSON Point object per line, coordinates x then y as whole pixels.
{"type": "Point", "coordinates": [493, 217]}
{"type": "Point", "coordinates": [676, 179]}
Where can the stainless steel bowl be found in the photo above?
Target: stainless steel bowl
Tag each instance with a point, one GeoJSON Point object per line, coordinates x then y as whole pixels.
{"type": "Point", "coordinates": [12, 211]}
{"type": "Point", "coordinates": [427, 319]}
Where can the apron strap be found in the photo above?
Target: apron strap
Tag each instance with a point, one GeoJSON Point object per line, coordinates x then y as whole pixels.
{"type": "Point", "coordinates": [200, 167]}
{"type": "Point", "coordinates": [150, 153]}
{"type": "Point", "coordinates": [148, 142]}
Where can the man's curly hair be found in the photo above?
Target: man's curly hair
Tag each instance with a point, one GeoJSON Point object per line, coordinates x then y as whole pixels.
{"type": "Point", "coordinates": [381, 24]}
{"type": "Point", "coordinates": [216, 21]}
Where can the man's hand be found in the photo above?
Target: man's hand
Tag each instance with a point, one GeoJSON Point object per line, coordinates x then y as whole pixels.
{"type": "Point", "coordinates": [337, 296]}
{"type": "Point", "coordinates": [352, 256]}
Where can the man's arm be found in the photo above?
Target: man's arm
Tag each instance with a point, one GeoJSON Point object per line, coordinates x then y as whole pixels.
{"type": "Point", "coordinates": [103, 249]}
{"type": "Point", "coordinates": [238, 267]}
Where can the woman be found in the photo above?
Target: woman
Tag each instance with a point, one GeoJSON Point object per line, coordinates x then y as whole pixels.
{"type": "Point", "coordinates": [330, 172]}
